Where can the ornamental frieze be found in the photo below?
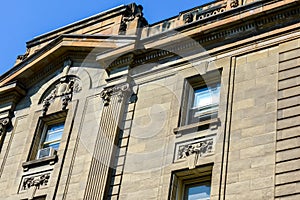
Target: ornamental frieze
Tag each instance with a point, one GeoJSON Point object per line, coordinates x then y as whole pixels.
{"type": "Point", "coordinates": [35, 181]}
{"type": "Point", "coordinates": [234, 3]}
{"type": "Point", "coordinates": [201, 148]}
{"type": "Point", "coordinates": [192, 151]}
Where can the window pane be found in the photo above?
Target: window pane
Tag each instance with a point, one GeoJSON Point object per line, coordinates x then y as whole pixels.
{"type": "Point", "coordinates": [205, 104]}
{"type": "Point", "coordinates": [53, 136]}
{"type": "Point", "coordinates": [56, 127]}
{"type": "Point", "coordinates": [54, 145]}
{"type": "Point", "coordinates": [202, 97]}
{"type": "Point", "coordinates": [54, 132]}
{"type": "Point", "coordinates": [206, 96]}
{"type": "Point", "coordinates": [198, 192]}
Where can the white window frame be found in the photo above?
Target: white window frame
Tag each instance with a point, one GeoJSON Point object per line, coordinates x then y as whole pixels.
{"type": "Point", "coordinates": [45, 133]}
{"type": "Point", "coordinates": [41, 133]}
{"type": "Point", "coordinates": [211, 81]}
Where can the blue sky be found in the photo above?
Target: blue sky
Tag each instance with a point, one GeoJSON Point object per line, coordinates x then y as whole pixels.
{"type": "Point", "coordinates": [23, 20]}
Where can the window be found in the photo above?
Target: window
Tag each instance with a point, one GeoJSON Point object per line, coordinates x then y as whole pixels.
{"type": "Point", "coordinates": [197, 191]}
{"type": "Point", "coordinates": [205, 103]}
{"type": "Point", "coordinates": [201, 98]}
{"type": "Point", "coordinates": [52, 136]}
{"type": "Point", "coordinates": [48, 136]}
{"type": "Point", "coordinates": [192, 184]}
{"type": "Point", "coordinates": [50, 140]}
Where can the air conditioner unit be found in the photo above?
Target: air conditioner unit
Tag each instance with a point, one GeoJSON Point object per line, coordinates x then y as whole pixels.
{"type": "Point", "coordinates": [46, 152]}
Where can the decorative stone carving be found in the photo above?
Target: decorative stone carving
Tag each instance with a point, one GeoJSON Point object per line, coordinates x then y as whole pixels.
{"type": "Point", "coordinates": [35, 181]}
{"type": "Point", "coordinates": [188, 18]}
{"type": "Point", "coordinates": [199, 14]}
{"type": "Point", "coordinates": [65, 100]}
{"type": "Point", "coordinates": [22, 57]}
{"type": "Point", "coordinates": [133, 11]}
{"type": "Point", "coordinates": [118, 90]}
{"type": "Point", "coordinates": [200, 148]}
{"type": "Point", "coordinates": [3, 124]}
{"type": "Point", "coordinates": [134, 97]}
{"type": "Point", "coordinates": [123, 27]}
{"type": "Point", "coordinates": [64, 89]}
{"type": "Point", "coordinates": [234, 3]}
{"type": "Point", "coordinates": [192, 151]}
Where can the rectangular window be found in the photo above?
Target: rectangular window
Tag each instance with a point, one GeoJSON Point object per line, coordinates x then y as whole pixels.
{"type": "Point", "coordinates": [48, 135]}
{"type": "Point", "coordinates": [192, 184]}
{"type": "Point", "coordinates": [53, 135]}
{"type": "Point", "coordinates": [201, 98]}
{"type": "Point", "coordinates": [205, 103]}
{"type": "Point", "coordinates": [50, 140]}
{"type": "Point", "coordinates": [197, 191]}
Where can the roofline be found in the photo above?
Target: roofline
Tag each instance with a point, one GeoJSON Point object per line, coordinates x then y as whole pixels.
{"type": "Point", "coordinates": [77, 23]}
{"type": "Point", "coordinates": [182, 12]}
{"type": "Point", "coordinates": [57, 40]}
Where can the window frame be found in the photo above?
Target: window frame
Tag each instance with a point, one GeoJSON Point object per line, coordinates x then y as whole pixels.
{"type": "Point", "coordinates": [43, 141]}
{"type": "Point", "coordinates": [211, 81]}
{"type": "Point", "coordinates": [182, 179]}
{"type": "Point", "coordinates": [189, 183]}
{"type": "Point", "coordinates": [40, 133]}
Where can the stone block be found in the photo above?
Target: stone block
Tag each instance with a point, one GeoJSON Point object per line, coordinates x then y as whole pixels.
{"type": "Point", "coordinates": [288, 155]}
{"type": "Point", "coordinates": [290, 177]}
{"type": "Point", "coordinates": [290, 165]}
{"type": "Point", "coordinates": [287, 55]}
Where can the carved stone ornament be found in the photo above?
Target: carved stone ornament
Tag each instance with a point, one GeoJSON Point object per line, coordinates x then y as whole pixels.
{"type": "Point", "coordinates": [234, 3]}
{"type": "Point", "coordinates": [133, 11]}
{"type": "Point", "coordinates": [64, 89]}
{"type": "Point", "coordinates": [188, 18]}
{"type": "Point", "coordinates": [123, 27]}
{"type": "Point", "coordinates": [118, 90]}
{"type": "Point", "coordinates": [3, 124]}
{"type": "Point", "coordinates": [203, 13]}
{"type": "Point", "coordinates": [201, 148]}
{"type": "Point", "coordinates": [193, 151]}
{"type": "Point", "coordinates": [22, 57]}
{"type": "Point", "coordinates": [35, 181]}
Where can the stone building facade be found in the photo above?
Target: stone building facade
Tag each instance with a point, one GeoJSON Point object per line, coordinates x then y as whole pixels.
{"type": "Point", "coordinates": [204, 105]}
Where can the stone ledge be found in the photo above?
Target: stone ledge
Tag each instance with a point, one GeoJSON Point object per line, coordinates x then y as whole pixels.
{"type": "Point", "coordinates": [214, 122]}
{"type": "Point", "coordinates": [50, 160]}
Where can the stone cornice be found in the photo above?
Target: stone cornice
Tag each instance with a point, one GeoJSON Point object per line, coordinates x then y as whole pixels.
{"type": "Point", "coordinates": [65, 43]}
{"type": "Point", "coordinates": [11, 92]}
{"type": "Point", "coordinates": [170, 43]}
{"type": "Point", "coordinates": [205, 26]}
{"type": "Point", "coordinates": [10, 95]}
{"type": "Point", "coordinates": [77, 25]}
{"type": "Point", "coordinates": [226, 27]}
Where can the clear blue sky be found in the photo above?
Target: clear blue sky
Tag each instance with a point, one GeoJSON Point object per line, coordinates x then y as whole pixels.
{"type": "Point", "coordinates": [21, 21]}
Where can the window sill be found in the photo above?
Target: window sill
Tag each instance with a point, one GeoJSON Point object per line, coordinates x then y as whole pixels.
{"type": "Point", "coordinates": [213, 123]}
{"type": "Point", "coordinates": [50, 160]}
